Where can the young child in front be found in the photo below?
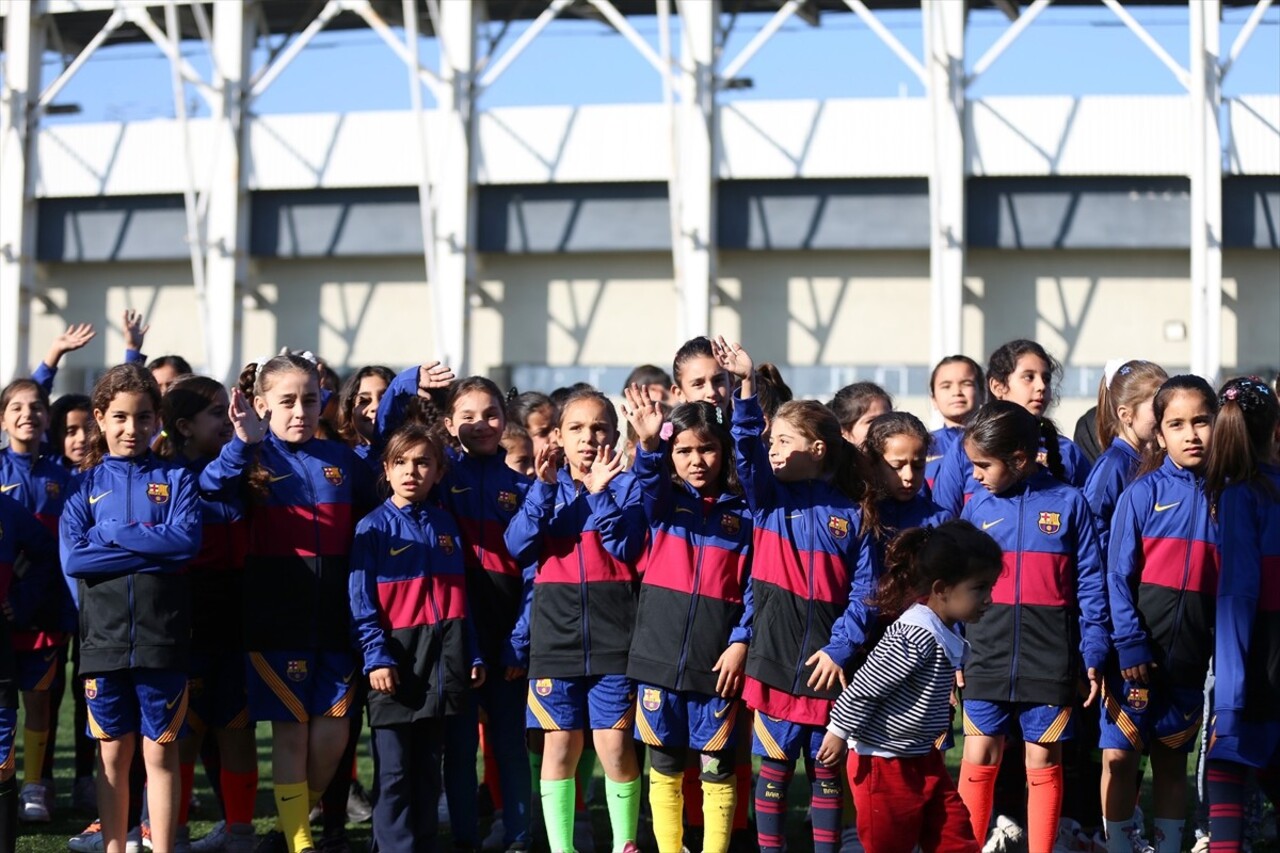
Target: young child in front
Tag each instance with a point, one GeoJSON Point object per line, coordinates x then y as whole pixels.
{"type": "Point", "coordinates": [1162, 580]}
{"type": "Point", "coordinates": [897, 707]}
{"type": "Point", "coordinates": [585, 527]}
{"type": "Point", "coordinates": [957, 389]}
{"type": "Point", "coordinates": [692, 626]}
{"type": "Point", "coordinates": [409, 611]}
{"type": "Point", "coordinates": [813, 568]}
{"type": "Point", "coordinates": [303, 496]}
{"type": "Point", "coordinates": [129, 528]}
{"type": "Point", "coordinates": [1243, 484]}
{"type": "Point", "coordinates": [1049, 601]}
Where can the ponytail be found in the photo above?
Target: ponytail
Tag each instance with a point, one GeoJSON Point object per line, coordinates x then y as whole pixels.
{"type": "Point", "coordinates": [918, 558]}
{"type": "Point", "coordinates": [1132, 383]}
{"type": "Point", "coordinates": [1243, 437]}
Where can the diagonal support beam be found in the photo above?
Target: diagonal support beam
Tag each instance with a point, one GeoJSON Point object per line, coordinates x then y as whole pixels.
{"type": "Point", "coordinates": [758, 41]}
{"type": "Point", "coordinates": [1008, 37]}
{"type": "Point", "coordinates": [138, 15]}
{"type": "Point", "coordinates": [1183, 76]}
{"type": "Point", "coordinates": [1246, 33]}
{"type": "Point", "coordinates": [53, 89]}
{"type": "Point", "coordinates": [365, 10]}
{"type": "Point", "coordinates": [890, 40]}
{"type": "Point", "coordinates": [267, 75]}
{"type": "Point", "coordinates": [623, 26]}
{"type": "Point", "coordinates": [494, 71]}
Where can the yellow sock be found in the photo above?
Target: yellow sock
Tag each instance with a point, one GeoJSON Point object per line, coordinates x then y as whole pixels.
{"type": "Point", "coordinates": [293, 806]}
{"type": "Point", "coordinates": [313, 798]}
{"type": "Point", "coordinates": [719, 799]}
{"type": "Point", "coordinates": [34, 745]}
{"type": "Point", "coordinates": [666, 800]}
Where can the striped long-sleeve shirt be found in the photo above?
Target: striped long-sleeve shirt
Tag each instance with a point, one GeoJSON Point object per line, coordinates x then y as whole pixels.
{"type": "Point", "coordinates": [899, 701]}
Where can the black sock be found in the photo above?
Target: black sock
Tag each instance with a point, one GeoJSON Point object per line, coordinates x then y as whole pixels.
{"type": "Point", "coordinates": [8, 816]}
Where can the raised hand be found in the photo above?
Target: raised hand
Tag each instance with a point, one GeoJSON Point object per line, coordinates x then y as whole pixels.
{"type": "Point", "coordinates": [606, 466]}
{"type": "Point", "coordinates": [733, 358]}
{"type": "Point", "coordinates": [249, 426]}
{"type": "Point", "coordinates": [645, 416]}
{"type": "Point", "coordinates": [75, 337]}
{"type": "Point", "coordinates": [544, 464]}
{"type": "Point", "coordinates": [135, 332]}
{"type": "Point", "coordinates": [433, 375]}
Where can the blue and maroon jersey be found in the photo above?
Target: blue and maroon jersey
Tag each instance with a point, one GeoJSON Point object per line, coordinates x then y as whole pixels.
{"type": "Point", "coordinates": [295, 577]}
{"type": "Point", "coordinates": [217, 572]}
{"type": "Point", "coordinates": [812, 571]}
{"type": "Point", "coordinates": [21, 533]}
{"type": "Point", "coordinates": [1111, 474]}
{"type": "Point", "coordinates": [408, 599]}
{"type": "Point", "coordinates": [955, 486]}
{"type": "Point", "coordinates": [40, 483]}
{"type": "Point", "coordinates": [693, 601]}
{"type": "Point", "coordinates": [1050, 599]}
{"type": "Point", "coordinates": [1247, 650]}
{"type": "Point", "coordinates": [1162, 575]}
{"type": "Point", "coordinates": [896, 516]}
{"type": "Point", "coordinates": [584, 596]}
{"type": "Point", "coordinates": [943, 440]}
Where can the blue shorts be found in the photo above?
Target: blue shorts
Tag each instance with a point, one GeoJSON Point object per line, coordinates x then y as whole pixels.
{"type": "Point", "coordinates": [684, 718]}
{"type": "Point", "coordinates": [8, 730]}
{"type": "Point", "coordinates": [1254, 744]}
{"type": "Point", "coordinates": [1040, 723]}
{"type": "Point", "coordinates": [219, 698]}
{"type": "Point", "coordinates": [1134, 714]}
{"type": "Point", "coordinates": [294, 686]}
{"type": "Point", "coordinates": [40, 669]}
{"type": "Point", "coordinates": [781, 740]}
{"type": "Point", "coordinates": [129, 701]}
{"type": "Point", "coordinates": [577, 704]}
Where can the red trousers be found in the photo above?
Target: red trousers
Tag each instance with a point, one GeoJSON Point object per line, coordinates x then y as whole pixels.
{"type": "Point", "coordinates": [902, 802]}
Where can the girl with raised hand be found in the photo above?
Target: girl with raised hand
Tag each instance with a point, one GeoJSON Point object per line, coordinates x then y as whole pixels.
{"type": "Point", "coordinates": [303, 496]}
{"type": "Point", "coordinates": [692, 625]}
{"type": "Point", "coordinates": [1162, 579]}
{"type": "Point", "coordinates": [584, 526]}
{"type": "Point", "coordinates": [812, 572]}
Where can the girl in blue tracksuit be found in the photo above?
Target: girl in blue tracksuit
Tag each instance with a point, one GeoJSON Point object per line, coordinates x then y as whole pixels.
{"type": "Point", "coordinates": [1126, 429]}
{"type": "Point", "coordinates": [34, 478]}
{"type": "Point", "coordinates": [1162, 579]}
{"type": "Point", "coordinates": [1243, 484]}
{"type": "Point", "coordinates": [813, 569]}
{"type": "Point", "coordinates": [358, 403]}
{"type": "Point", "coordinates": [897, 446]}
{"type": "Point", "coordinates": [584, 526]}
{"type": "Point", "coordinates": [482, 494]}
{"type": "Point", "coordinates": [197, 427]}
{"type": "Point", "coordinates": [409, 610]}
{"type": "Point", "coordinates": [130, 526]}
{"type": "Point", "coordinates": [303, 496]}
{"type": "Point", "coordinates": [1021, 372]}
{"type": "Point", "coordinates": [957, 389]}
{"type": "Point", "coordinates": [693, 622]}
{"type": "Point", "coordinates": [1052, 589]}
{"type": "Point", "coordinates": [20, 533]}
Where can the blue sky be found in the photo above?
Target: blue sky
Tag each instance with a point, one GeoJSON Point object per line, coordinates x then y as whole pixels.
{"type": "Point", "coordinates": [1067, 51]}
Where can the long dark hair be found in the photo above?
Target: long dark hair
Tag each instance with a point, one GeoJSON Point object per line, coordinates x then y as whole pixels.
{"type": "Point", "coordinates": [852, 401]}
{"type": "Point", "coordinates": [1243, 437]}
{"type": "Point", "coordinates": [886, 426]}
{"type": "Point", "coordinates": [1002, 429]}
{"type": "Point", "coordinates": [918, 558]}
{"type": "Point", "coordinates": [707, 420]}
{"type": "Point", "coordinates": [188, 396]}
{"type": "Point", "coordinates": [121, 379]}
{"type": "Point", "coordinates": [843, 463]}
{"type": "Point", "coordinates": [1005, 360]}
{"type": "Point", "coordinates": [1153, 455]}
{"type": "Point", "coordinates": [347, 400]}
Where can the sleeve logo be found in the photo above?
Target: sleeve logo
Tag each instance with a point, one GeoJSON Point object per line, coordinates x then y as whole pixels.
{"type": "Point", "coordinates": [652, 699]}
{"type": "Point", "coordinates": [1050, 522]}
{"type": "Point", "coordinates": [508, 501]}
{"type": "Point", "coordinates": [158, 493]}
{"type": "Point", "coordinates": [838, 526]}
{"type": "Point", "coordinates": [333, 474]}
{"type": "Point", "coordinates": [445, 542]}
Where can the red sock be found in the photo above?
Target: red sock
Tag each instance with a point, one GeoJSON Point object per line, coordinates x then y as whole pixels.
{"type": "Point", "coordinates": [692, 796]}
{"type": "Point", "coordinates": [187, 782]}
{"type": "Point", "coordinates": [1044, 806]}
{"type": "Point", "coordinates": [978, 788]}
{"type": "Point", "coordinates": [355, 777]}
{"type": "Point", "coordinates": [490, 769]}
{"type": "Point", "coordinates": [746, 790]}
{"type": "Point", "coordinates": [239, 791]}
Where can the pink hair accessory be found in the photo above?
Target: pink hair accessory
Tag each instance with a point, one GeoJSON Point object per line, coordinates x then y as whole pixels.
{"type": "Point", "coordinates": [668, 429]}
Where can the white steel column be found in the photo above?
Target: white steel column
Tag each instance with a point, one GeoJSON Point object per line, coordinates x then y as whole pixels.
{"type": "Point", "coordinates": [23, 46]}
{"type": "Point", "coordinates": [452, 137]}
{"type": "Point", "coordinates": [944, 23]}
{"type": "Point", "coordinates": [695, 164]}
{"type": "Point", "coordinates": [1206, 189]}
{"type": "Point", "coordinates": [227, 219]}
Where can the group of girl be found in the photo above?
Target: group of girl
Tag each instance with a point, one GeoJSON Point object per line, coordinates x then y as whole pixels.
{"type": "Point", "coordinates": [756, 576]}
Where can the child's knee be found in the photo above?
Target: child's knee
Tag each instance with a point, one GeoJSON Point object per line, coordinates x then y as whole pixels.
{"type": "Point", "coordinates": [716, 766]}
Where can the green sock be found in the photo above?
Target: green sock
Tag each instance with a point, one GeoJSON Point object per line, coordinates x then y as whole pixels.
{"type": "Point", "coordinates": [624, 810]}
{"type": "Point", "coordinates": [557, 813]}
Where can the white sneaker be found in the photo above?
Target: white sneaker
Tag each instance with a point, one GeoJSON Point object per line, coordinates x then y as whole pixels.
{"type": "Point", "coordinates": [1071, 838]}
{"type": "Point", "coordinates": [1007, 837]}
{"type": "Point", "coordinates": [33, 804]}
{"type": "Point", "coordinates": [497, 832]}
{"type": "Point", "coordinates": [1137, 841]}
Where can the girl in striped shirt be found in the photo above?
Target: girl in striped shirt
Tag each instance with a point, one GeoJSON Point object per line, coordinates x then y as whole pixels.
{"type": "Point", "coordinates": [895, 712]}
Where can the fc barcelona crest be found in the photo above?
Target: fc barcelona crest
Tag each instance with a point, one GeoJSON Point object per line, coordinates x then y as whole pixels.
{"type": "Point", "coordinates": [508, 501]}
{"type": "Point", "coordinates": [91, 688]}
{"type": "Point", "coordinates": [652, 699]}
{"type": "Point", "coordinates": [52, 489]}
{"type": "Point", "coordinates": [542, 687]}
{"type": "Point", "coordinates": [730, 524]}
{"type": "Point", "coordinates": [296, 670]}
{"type": "Point", "coordinates": [158, 493]}
{"type": "Point", "coordinates": [838, 526]}
{"type": "Point", "coordinates": [1137, 698]}
{"type": "Point", "coordinates": [445, 541]}
{"type": "Point", "coordinates": [333, 474]}
{"type": "Point", "coordinates": [1050, 522]}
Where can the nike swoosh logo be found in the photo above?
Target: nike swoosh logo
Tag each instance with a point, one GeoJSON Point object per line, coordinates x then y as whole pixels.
{"type": "Point", "coordinates": [287, 799]}
{"type": "Point", "coordinates": [4, 490]}
{"type": "Point", "coordinates": [346, 679]}
{"type": "Point", "coordinates": [1166, 506]}
{"type": "Point", "coordinates": [396, 552]}
{"type": "Point", "coordinates": [723, 711]}
{"type": "Point", "coordinates": [932, 458]}
{"type": "Point", "coordinates": [795, 515]}
{"type": "Point", "coordinates": [457, 490]}
{"type": "Point", "coordinates": [93, 499]}
{"type": "Point", "coordinates": [274, 479]}
{"type": "Point", "coordinates": [987, 525]}
{"type": "Point", "coordinates": [168, 706]}
{"type": "Point", "coordinates": [681, 509]}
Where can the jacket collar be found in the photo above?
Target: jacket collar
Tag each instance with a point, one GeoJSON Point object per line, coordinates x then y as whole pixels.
{"type": "Point", "coordinates": [1126, 448]}
{"type": "Point", "coordinates": [922, 616]}
{"type": "Point", "coordinates": [1170, 469]}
